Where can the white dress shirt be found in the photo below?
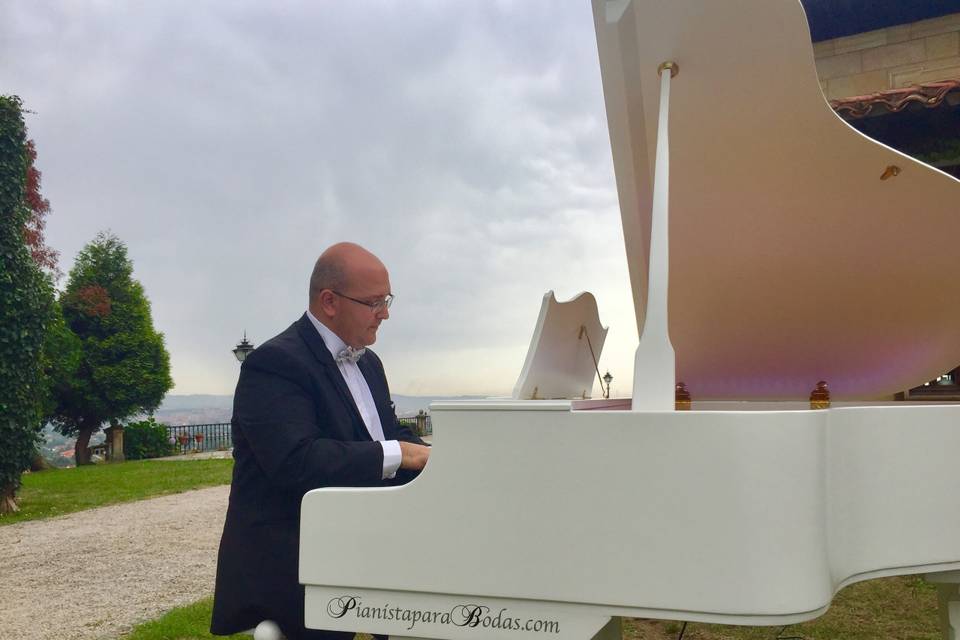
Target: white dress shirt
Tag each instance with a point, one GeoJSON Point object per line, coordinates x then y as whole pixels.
{"type": "Point", "coordinates": [360, 391]}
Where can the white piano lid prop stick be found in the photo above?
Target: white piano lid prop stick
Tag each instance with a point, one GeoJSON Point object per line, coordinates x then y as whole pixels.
{"type": "Point", "coordinates": [655, 363]}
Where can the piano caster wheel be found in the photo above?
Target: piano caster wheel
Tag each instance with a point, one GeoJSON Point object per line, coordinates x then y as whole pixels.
{"type": "Point", "coordinates": [268, 630]}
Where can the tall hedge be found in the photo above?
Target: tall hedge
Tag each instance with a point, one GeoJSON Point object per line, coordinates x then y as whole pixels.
{"type": "Point", "coordinates": [26, 300]}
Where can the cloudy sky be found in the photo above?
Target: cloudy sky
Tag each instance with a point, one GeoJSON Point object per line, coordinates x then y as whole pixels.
{"type": "Point", "coordinates": [228, 143]}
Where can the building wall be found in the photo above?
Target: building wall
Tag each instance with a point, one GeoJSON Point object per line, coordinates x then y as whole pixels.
{"type": "Point", "coordinates": [891, 58]}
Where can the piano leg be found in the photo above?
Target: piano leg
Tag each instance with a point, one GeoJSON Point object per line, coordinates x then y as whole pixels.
{"type": "Point", "coordinates": [613, 630]}
{"type": "Point", "coordinates": [948, 591]}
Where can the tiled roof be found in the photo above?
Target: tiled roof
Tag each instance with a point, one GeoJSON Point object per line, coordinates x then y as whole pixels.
{"type": "Point", "coordinates": [930, 95]}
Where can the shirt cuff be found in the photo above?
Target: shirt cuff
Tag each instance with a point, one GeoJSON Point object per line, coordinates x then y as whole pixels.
{"type": "Point", "coordinates": [391, 458]}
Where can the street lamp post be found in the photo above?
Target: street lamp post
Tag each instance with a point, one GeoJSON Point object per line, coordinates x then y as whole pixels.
{"type": "Point", "coordinates": [607, 379]}
{"type": "Point", "coordinates": [243, 348]}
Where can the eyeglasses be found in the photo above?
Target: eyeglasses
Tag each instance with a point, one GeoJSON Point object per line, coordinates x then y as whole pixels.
{"type": "Point", "coordinates": [377, 306]}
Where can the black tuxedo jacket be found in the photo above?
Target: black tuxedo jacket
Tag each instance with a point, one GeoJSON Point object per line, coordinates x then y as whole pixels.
{"type": "Point", "coordinates": [295, 428]}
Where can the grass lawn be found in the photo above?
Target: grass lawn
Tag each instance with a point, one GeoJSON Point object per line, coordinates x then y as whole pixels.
{"type": "Point", "coordinates": [57, 491]}
{"type": "Point", "coordinates": [901, 608]}
{"type": "Point", "coordinates": [186, 623]}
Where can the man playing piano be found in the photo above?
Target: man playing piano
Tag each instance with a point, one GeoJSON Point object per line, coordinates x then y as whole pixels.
{"type": "Point", "coordinates": [312, 409]}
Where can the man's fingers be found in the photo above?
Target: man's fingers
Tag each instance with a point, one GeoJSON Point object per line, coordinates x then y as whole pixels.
{"type": "Point", "coordinates": [413, 456]}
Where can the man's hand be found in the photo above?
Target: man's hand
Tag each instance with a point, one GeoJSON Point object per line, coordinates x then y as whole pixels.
{"type": "Point", "coordinates": [414, 456]}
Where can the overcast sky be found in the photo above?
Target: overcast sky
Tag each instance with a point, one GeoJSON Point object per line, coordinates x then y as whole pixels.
{"type": "Point", "coordinates": [228, 143]}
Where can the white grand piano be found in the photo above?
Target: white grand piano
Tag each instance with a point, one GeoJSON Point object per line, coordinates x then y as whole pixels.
{"type": "Point", "coordinates": [788, 260]}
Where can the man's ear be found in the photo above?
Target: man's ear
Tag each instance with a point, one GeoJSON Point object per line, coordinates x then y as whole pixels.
{"type": "Point", "coordinates": [327, 302]}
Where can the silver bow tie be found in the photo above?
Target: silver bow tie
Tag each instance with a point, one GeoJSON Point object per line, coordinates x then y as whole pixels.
{"type": "Point", "coordinates": [349, 354]}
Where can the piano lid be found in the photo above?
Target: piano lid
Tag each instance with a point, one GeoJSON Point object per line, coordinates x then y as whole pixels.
{"type": "Point", "coordinates": [791, 259]}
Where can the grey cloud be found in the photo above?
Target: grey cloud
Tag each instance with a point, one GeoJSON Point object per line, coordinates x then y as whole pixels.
{"type": "Point", "coordinates": [228, 143]}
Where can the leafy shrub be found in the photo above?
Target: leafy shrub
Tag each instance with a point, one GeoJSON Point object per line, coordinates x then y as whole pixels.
{"type": "Point", "coordinates": [146, 439]}
{"type": "Point", "coordinates": [26, 297]}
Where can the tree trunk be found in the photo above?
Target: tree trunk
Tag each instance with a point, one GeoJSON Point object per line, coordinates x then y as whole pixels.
{"type": "Point", "coordinates": [38, 462]}
{"type": "Point", "coordinates": [8, 500]}
{"type": "Point", "coordinates": [81, 450]}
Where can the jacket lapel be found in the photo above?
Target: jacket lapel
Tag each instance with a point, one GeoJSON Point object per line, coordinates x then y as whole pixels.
{"type": "Point", "coordinates": [373, 374]}
{"type": "Point", "coordinates": [315, 342]}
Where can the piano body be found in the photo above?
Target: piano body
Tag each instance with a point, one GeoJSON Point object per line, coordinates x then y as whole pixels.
{"type": "Point", "coordinates": [788, 263]}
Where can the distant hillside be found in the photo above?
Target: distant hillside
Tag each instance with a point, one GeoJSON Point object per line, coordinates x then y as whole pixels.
{"type": "Point", "coordinates": [207, 409]}
{"type": "Point", "coordinates": [58, 449]}
{"type": "Point", "coordinates": [195, 409]}
{"type": "Point", "coordinates": [410, 405]}
{"type": "Point", "coordinates": [186, 403]}
{"type": "Point", "coordinates": [200, 409]}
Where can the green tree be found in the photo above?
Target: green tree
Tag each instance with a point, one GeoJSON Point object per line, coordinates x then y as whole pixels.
{"type": "Point", "coordinates": [60, 361]}
{"type": "Point", "coordinates": [123, 367]}
{"type": "Point", "coordinates": [26, 301]}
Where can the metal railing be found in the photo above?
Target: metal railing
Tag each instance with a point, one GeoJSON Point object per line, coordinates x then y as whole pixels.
{"type": "Point", "coordinates": [189, 438]}
{"type": "Point", "coordinates": [420, 424]}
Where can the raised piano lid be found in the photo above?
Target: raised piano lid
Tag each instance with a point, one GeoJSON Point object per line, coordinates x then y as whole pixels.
{"type": "Point", "coordinates": [566, 344]}
{"type": "Point", "coordinates": [791, 261]}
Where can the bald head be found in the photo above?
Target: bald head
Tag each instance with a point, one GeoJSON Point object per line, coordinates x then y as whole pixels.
{"type": "Point", "coordinates": [341, 266]}
{"type": "Point", "coordinates": [345, 278]}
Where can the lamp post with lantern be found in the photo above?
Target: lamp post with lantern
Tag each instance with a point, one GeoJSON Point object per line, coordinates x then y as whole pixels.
{"type": "Point", "coordinates": [607, 379]}
{"type": "Point", "coordinates": [243, 349]}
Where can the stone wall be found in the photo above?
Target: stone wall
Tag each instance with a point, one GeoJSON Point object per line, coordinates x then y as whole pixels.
{"type": "Point", "coordinates": [891, 58]}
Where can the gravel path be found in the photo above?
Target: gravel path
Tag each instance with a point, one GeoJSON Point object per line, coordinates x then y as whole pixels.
{"type": "Point", "coordinates": [95, 574]}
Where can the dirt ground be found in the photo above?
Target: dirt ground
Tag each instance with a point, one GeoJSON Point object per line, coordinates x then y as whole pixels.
{"type": "Point", "coordinates": [95, 574]}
